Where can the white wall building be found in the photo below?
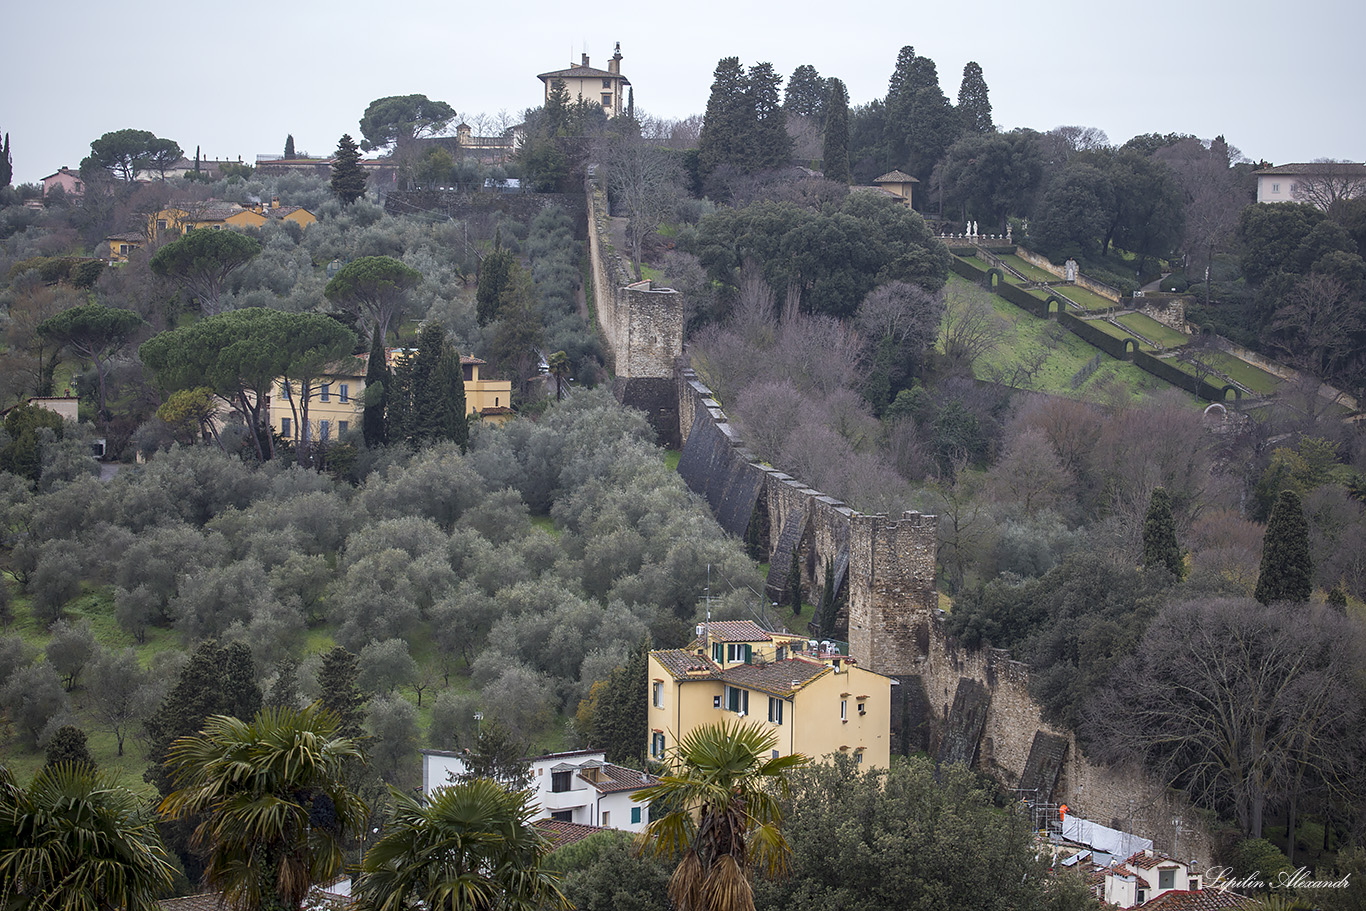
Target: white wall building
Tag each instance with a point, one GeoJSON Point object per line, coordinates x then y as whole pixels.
{"type": "Point", "coordinates": [579, 787]}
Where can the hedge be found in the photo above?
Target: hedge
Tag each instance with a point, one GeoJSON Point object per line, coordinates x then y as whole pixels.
{"type": "Point", "coordinates": [1178, 377]}
{"type": "Point", "coordinates": [1102, 340]}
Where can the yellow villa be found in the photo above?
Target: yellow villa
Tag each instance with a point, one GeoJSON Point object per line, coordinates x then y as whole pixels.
{"type": "Point", "coordinates": [336, 399]}
{"type": "Point", "coordinates": [608, 87]}
{"type": "Point", "coordinates": [816, 701]}
{"type": "Point", "coordinates": [215, 214]}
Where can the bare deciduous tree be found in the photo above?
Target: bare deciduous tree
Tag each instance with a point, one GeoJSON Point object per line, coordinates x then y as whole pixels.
{"type": "Point", "coordinates": [972, 327]}
{"type": "Point", "coordinates": [646, 181]}
{"type": "Point", "coordinates": [1330, 182]}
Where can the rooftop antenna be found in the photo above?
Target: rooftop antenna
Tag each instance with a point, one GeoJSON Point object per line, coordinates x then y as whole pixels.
{"type": "Point", "coordinates": [708, 600]}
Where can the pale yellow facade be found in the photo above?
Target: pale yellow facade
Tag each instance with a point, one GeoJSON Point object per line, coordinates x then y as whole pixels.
{"type": "Point", "coordinates": [335, 400]}
{"type": "Point", "coordinates": [216, 215]}
{"type": "Point", "coordinates": [608, 88]}
{"type": "Point", "coordinates": [815, 703]}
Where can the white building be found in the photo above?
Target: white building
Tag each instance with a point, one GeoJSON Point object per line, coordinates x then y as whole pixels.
{"type": "Point", "coordinates": [580, 787]}
{"type": "Point", "coordinates": [1319, 183]}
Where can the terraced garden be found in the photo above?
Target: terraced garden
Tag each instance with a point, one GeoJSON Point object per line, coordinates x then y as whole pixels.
{"type": "Point", "coordinates": [1089, 300]}
{"type": "Point", "coordinates": [1150, 328]}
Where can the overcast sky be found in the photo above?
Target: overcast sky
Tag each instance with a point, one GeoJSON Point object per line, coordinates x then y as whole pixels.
{"type": "Point", "coordinates": [1282, 83]}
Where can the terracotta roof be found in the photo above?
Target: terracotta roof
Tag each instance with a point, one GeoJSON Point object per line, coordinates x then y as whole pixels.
{"type": "Point", "coordinates": [558, 832]}
{"type": "Point", "coordinates": [737, 631]}
{"type": "Point", "coordinates": [1145, 861]}
{"type": "Point", "coordinates": [781, 678]}
{"type": "Point", "coordinates": [1202, 900]}
{"type": "Point", "coordinates": [618, 778]}
{"type": "Point", "coordinates": [282, 211]}
{"type": "Point", "coordinates": [896, 177]}
{"type": "Point", "coordinates": [577, 71]}
{"type": "Point", "coordinates": [130, 235]}
{"type": "Point", "coordinates": [1315, 167]}
{"type": "Point", "coordinates": [679, 661]}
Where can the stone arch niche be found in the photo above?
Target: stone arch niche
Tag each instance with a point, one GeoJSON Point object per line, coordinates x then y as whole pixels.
{"type": "Point", "coordinates": [1237, 393]}
{"type": "Point", "coordinates": [1055, 306]}
{"type": "Point", "coordinates": [994, 278]}
{"type": "Point", "coordinates": [1130, 348]}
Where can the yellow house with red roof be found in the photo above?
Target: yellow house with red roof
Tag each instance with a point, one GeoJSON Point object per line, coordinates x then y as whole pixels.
{"type": "Point", "coordinates": [216, 214]}
{"type": "Point", "coordinates": [586, 83]}
{"type": "Point", "coordinates": [814, 700]}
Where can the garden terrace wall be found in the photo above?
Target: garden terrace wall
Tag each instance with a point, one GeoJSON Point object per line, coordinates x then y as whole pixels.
{"type": "Point", "coordinates": [1178, 377]}
{"type": "Point", "coordinates": [1108, 292]}
{"type": "Point", "coordinates": [1022, 299]}
{"type": "Point", "coordinates": [1115, 347]}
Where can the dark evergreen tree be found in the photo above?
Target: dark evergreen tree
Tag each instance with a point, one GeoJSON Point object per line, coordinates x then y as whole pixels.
{"type": "Point", "coordinates": [836, 152]}
{"type": "Point", "coordinates": [398, 403]}
{"type": "Point", "coordinates": [619, 725]}
{"type": "Point", "coordinates": [348, 177]}
{"type": "Point", "coordinates": [1337, 598]}
{"type": "Point", "coordinates": [449, 382]}
{"type": "Point", "coordinates": [1287, 571]}
{"type": "Point", "coordinates": [920, 123]}
{"type": "Point", "coordinates": [196, 161]}
{"type": "Point", "coordinates": [284, 690]}
{"type": "Point", "coordinates": [6, 164]}
{"type": "Point", "coordinates": [1159, 535]}
{"type": "Point", "coordinates": [495, 272]}
{"type": "Point", "coordinates": [496, 754]}
{"type": "Point", "coordinates": [825, 615]}
{"type": "Point", "coordinates": [377, 382]}
{"type": "Point", "coordinates": [426, 397]}
{"type": "Point", "coordinates": [974, 105]}
{"type": "Point", "coordinates": [217, 680]}
{"type": "Point", "coordinates": [794, 585]}
{"type": "Point", "coordinates": [770, 146]}
{"type": "Point", "coordinates": [68, 744]}
{"type": "Point", "coordinates": [806, 93]}
{"type": "Point", "coordinates": [289, 146]}
{"type": "Point", "coordinates": [338, 692]}
{"type": "Point", "coordinates": [727, 123]}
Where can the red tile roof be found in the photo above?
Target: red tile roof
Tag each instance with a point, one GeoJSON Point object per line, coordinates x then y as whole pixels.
{"type": "Point", "coordinates": [781, 678]}
{"type": "Point", "coordinates": [737, 631]}
{"type": "Point", "coordinates": [558, 832]}
{"type": "Point", "coordinates": [679, 662]}
{"type": "Point", "coordinates": [204, 901]}
{"type": "Point", "coordinates": [618, 778]}
{"type": "Point", "coordinates": [1203, 900]}
{"type": "Point", "coordinates": [1145, 861]}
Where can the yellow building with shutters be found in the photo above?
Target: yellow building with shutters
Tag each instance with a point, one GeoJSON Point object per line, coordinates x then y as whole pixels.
{"type": "Point", "coordinates": [815, 701]}
{"type": "Point", "coordinates": [336, 399]}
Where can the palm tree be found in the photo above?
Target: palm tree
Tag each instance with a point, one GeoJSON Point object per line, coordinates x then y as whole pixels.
{"type": "Point", "coordinates": [472, 847]}
{"type": "Point", "coordinates": [725, 817]}
{"type": "Point", "coordinates": [75, 841]}
{"type": "Point", "coordinates": [272, 801]}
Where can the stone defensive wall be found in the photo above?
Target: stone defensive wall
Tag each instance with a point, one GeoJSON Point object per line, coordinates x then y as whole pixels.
{"type": "Point", "coordinates": [953, 703]}
{"type": "Point", "coordinates": [643, 326]}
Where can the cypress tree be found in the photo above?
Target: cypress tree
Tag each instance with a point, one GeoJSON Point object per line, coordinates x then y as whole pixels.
{"type": "Point", "coordinates": [289, 146]}
{"type": "Point", "coordinates": [974, 105]}
{"type": "Point", "coordinates": [836, 151]}
{"type": "Point", "coordinates": [1287, 571]}
{"type": "Point", "coordinates": [338, 692]}
{"type": "Point", "coordinates": [1159, 535]}
{"type": "Point", "coordinates": [426, 396]}
{"type": "Point", "coordinates": [769, 146]}
{"type": "Point", "coordinates": [6, 164]}
{"type": "Point", "coordinates": [495, 273]}
{"type": "Point", "coordinates": [825, 617]}
{"type": "Point", "coordinates": [348, 177]}
{"type": "Point", "coordinates": [449, 383]}
{"type": "Point", "coordinates": [377, 384]}
{"type": "Point", "coordinates": [728, 121]}
{"type": "Point", "coordinates": [794, 585]}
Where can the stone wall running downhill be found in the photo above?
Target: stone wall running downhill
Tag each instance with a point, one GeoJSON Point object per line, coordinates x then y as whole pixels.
{"type": "Point", "coordinates": [643, 326]}
{"type": "Point", "coordinates": [954, 703]}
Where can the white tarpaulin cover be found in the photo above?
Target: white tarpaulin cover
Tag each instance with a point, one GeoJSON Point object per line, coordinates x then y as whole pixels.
{"type": "Point", "coordinates": [1102, 838]}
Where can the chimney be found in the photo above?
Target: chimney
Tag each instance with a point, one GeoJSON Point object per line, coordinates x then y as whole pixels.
{"type": "Point", "coordinates": [614, 65]}
{"type": "Point", "coordinates": [585, 60]}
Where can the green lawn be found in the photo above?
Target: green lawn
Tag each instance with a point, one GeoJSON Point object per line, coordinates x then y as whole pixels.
{"type": "Point", "coordinates": [1254, 378]}
{"type": "Point", "coordinates": [1150, 328]}
{"type": "Point", "coordinates": [1119, 332]}
{"type": "Point", "coordinates": [1029, 271]}
{"type": "Point", "coordinates": [1087, 299]}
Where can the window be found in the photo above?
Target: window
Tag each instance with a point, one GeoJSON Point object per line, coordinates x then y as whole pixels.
{"type": "Point", "coordinates": [161, 224]}
{"type": "Point", "coordinates": [858, 757]}
{"type": "Point", "coordinates": [737, 700]}
{"type": "Point", "coordinates": [563, 815]}
{"type": "Point", "coordinates": [782, 653]}
{"type": "Point", "coordinates": [285, 427]}
{"type": "Point", "coordinates": [606, 817]}
{"type": "Point", "coordinates": [718, 652]}
{"type": "Point", "coordinates": [1292, 186]}
{"type": "Point", "coordinates": [123, 249]}
{"type": "Point", "coordinates": [862, 707]}
{"type": "Point", "coordinates": [324, 430]}
{"type": "Point", "coordinates": [740, 651]}
{"type": "Point", "coordinates": [345, 393]}
{"type": "Point", "coordinates": [342, 427]}
{"type": "Point", "coordinates": [561, 781]}
{"type": "Point", "coordinates": [657, 744]}
{"type": "Point", "coordinates": [657, 694]}
{"type": "Point", "coordinates": [1275, 188]}
{"type": "Point", "coordinates": [285, 391]}
{"type": "Point", "coordinates": [844, 710]}
{"type": "Point", "coordinates": [325, 393]}
{"type": "Point", "coordinates": [635, 816]}
{"type": "Point", "coordinates": [1142, 896]}
{"type": "Point", "coordinates": [607, 99]}
{"type": "Point", "coordinates": [1166, 879]}
{"type": "Point", "coordinates": [775, 710]}
{"type": "Point", "coordinates": [607, 83]}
